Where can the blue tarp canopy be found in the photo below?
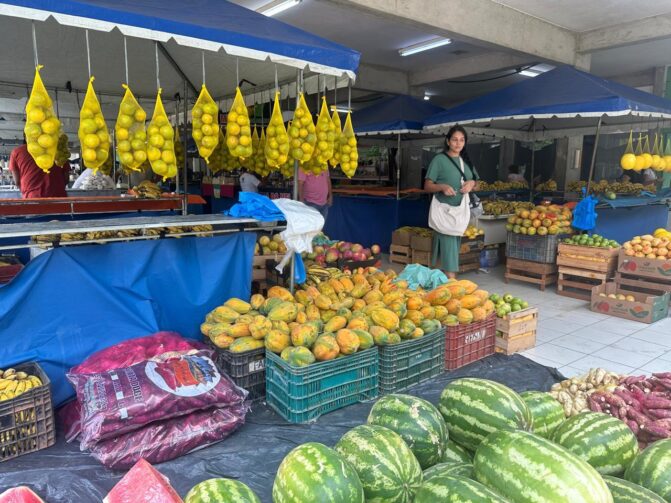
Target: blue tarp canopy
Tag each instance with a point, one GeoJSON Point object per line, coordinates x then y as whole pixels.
{"type": "Point", "coordinates": [563, 100]}
{"type": "Point", "coordinates": [394, 115]}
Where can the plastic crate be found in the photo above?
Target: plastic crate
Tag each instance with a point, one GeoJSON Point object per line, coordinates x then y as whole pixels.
{"type": "Point", "coordinates": [465, 344]}
{"type": "Point", "coordinates": [27, 421]}
{"type": "Point", "coordinates": [302, 394]}
{"type": "Point", "coordinates": [541, 249]}
{"type": "Point", "coordinates": [411, 362]}
{"type": "Point", "coordinates": [248, 369]}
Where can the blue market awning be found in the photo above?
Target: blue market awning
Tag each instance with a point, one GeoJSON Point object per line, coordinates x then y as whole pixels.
{"type": "Point", "coordinates": [561, 99]}
{"type": "Point", "coordinates": [393, 115]}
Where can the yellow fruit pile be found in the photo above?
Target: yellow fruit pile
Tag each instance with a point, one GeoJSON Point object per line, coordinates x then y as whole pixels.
{"type": "Point", "coordinates": [63, 151]}
{"type": "Point", "coordinates": [302, 133]}
{"type": "Point", "coordinates": [549, 186]}
{"type": "Point", "coordinates": [42, 127]}
{"type": "Point", "coordinates": [93, 134]}
{"type": "Point", "coordinates": [473, 232]}
{"type": "Point", "coordinates": [342, 315]}
{"type": "Point", "coordinates": [205, 123]}
{"type": "Point", "coordinates": [161, 149]}
{"type": "Point", "coordinates": [618, 296]}
{"type": "Point", "coordinates": [541, 220]}
{"type": "Point", "coordinates": [277, 140]}
{"type": "Point", "coordinates": [648, 246]}
{"type": "Point", "coordinates": [238, 130]}
{"type": "Point", "coordinates": [325, 141]}
{"type": "Point", "coordinates": [13, 383]}
{"type": "Point", "coordinates": [131, 135]}
{"type": "Point", "coordinates": [266, 245]}
{"type": "Point", "coordinates": [349, 155]}
{"type": "Point", "coordinates": [259, 163]}
{"type": "Point", "coordinates": [604, 186]}
{"type": "Point", "coordinates": [499, 185]}
{"type": "Point", "coordinates": [504, 207]}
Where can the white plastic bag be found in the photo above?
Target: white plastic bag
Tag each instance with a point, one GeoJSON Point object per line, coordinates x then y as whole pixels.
{"type": "Point", "coordinates": [303, 224]}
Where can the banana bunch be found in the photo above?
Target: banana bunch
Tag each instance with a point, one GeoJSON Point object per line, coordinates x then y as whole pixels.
{"type": "Point", "coordinates": [156, 231]}
{"type": "Point", "coordinates": [45, 238]}
{"type": "Point", "coordinates": [316, 274]}
{"type": "Point", "coordinates": [204, 230]}
{"type": "Point", "coordinates": [73, 236]}
{"type": "Point", "coordinates": [176, 230]}
{"type": "Point", "coordinates": [96, 235]}
{"type": "Point", "coordinates": [147, 190]}
{"type": "Point", "coordinates": [13, 383]}
{"type": "Point", "coordinates": [126, 233]}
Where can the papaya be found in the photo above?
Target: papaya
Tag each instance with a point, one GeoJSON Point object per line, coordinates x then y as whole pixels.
{"type": "Point", "coordinates": [483, 295]}
{"type": "Point", "coordinates": [335, 323]}
{"type": "Point", "coordinates": [438, 296]}
{"type": "Point", "coordinates": [345, 303]}
{"type": "Point", "coordinates": [281, 326]}
{"type": "Point", "coordinates": [304, 335]}
{"type": "Point", "coordinates": [358, 304]}
{"type": "Point", "coordinates": [238, 330]}
{"type": "Point", "coordinates": [260, 327]}
{"type": "Point", "coordinates": [222, 341]}
{"type": "Point", "coordinates": [401, 283]}
{"type": "Point", "coordinates": [489, 306]}
{"type": "Point", "coordinates": [385, 318]}
{"type": "Point", "coordinates": [453, 306]}
{"type": "Point", "coordinates": [465, 316]}
{"type": "Point", "coordinates": [243, 344]}
{"type": "Point", "coordinates": [358, 323]}
{"type": "Point", "coordinates": [337, 285]}
{"type": "Point", "coordinates": [325, 348]}
{"type": "Point", "coordinates": [302, 297]}
{"type": "Point", "coordinates": [470, 301]}
{"type": "Point", "coordinates": [428, 312]}
{"type": "Point", "coordinates": [456, 291]}
{"type": "Point", "coordinates": [281, 293]}
{"type": "Point", "coordinates": [285, 311]}
{"type": "Point", "coordinates": [469, 286]}
{"type": "Point", "coordinates": [327, 314]}
{"type": "Point", "coordinates": [414, 303]}
{"type": "Point", "coordinates": [415, 316]}
{"type": "Point", "coordinates": [479, 313]}
{"type": "Point", "coordinates": [380, 335]}
{"type": "Point", "coordinates": [347, 284]}
{"type": "Point", "coordinates": [312, 291]}
{"type": "Point", "coordinates": [387, 286]}
{"type": "Point", "coordinates": [430, 326]}
{"type": "Point", "coordinates": [348, 341]}
{"type": "Point", "coordinates": [301, 357]}
{"type": "Point", "coordinates": [326, 289]}
{"type": "Point", "coordinates": [256, 301]}
{"type": "Point", "coordinates": [238, 305]}
{"type": "Point", "coordinates": [399, 309]}
{"type": "Point", "coordinates": [359, 290]}
{"type": "Point", "coordinates": [451, 320]}
{"type": "Point", "coordinates": [393, 338]}
{"type": "Point", "coordinates": [224, 314]}
{"type": "Point", "coordinates": [392, 297]}
{"type": "Point", "coordinates": [312, 312]}
{"type": "Point", "coordinates": [205, 328]}
{"type": "Point", "coordinates": [323, 302]}
{"type": "Point", "coordinates": [417, 333]}
{"type": "Point", "coordinates": [345, 313]}
{"type": "Point", "coordinates": [359, 279]}
{"type": "Point", "coordinates": [286, 352]}
{"type": "Point", "coordinates": [245, 318]}
{"type": "Point", "coordinates": [406, 328]}
{"type": "Point", "coordinates": [218, 329]}
{"type": "Point", "coordinates": [277, 341]}
{"type": "Point", "coordinates": [373, 306]}
{"type": "Point", "coordinates": [269, 304]}
{"type": "Point", "coordinates": [301, 317]}
{"type": "Point", "coordinates": [366, 340]}
{"type": "Point", "coordinates": [441, 312]}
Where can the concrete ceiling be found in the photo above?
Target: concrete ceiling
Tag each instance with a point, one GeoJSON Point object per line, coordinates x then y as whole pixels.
{"type": "Point", "coordinates": [632, 58]}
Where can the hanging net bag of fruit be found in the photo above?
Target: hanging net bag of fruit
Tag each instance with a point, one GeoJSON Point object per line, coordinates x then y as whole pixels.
{"type": "Point", "coordinates": [131, 135]}
{"type": "Point", "coordinates": [302, 132]}
{"type": "Point", "coordinates": [93, 135]}
{"type": "Point", "coordinates": [277, 140]}
{"type": "Point", "coordinates": [349, 156]}
{"type": "Point", "coordinates": [628, 159]}
{"type": "Point", "coordinates": [205, 123]}
{"type": "Point", "coordinates": [238, 129]}
{"type": "Point", "coordinates": [42, 126]}
{"type": "Point", "coordinates": [161, 149]}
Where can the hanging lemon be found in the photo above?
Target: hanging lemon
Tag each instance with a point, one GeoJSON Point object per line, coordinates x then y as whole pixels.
{"type": "Point", "coordinates": [42, 127]}
{"type": "Point", "coordinates": [302, 132]}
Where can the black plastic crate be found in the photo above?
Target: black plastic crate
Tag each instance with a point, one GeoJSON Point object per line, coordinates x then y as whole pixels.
{"type": "Point", "coordinates": [541, 249]}
{"type": "Point", "coordinates": [248, 369]}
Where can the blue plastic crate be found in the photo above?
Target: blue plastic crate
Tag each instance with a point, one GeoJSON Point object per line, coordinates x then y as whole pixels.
{"type": "Point", "coordinates": [302, 394]}
{"type": "Point", "coordinates": [411, 362]}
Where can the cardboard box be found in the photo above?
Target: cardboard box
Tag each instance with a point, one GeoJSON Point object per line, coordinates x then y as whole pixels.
{"type": "Point", "coordinates": [646, 267]}
{"type": "Point", "coordinates": [644, 308]}
{"type": "Point", "coordinates": [421, 243]}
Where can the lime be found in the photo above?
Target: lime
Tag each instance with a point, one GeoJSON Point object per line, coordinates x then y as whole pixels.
{"type": "Point", "coordinates": [153, 154]}
{"type": "Point", "coordinates": [140, 115]}
{"type": "Point", "coordinates": [124, 121]}
{"type": "Point", "coordinates": [89, 155]}
{"type": "Point", "coordinates": [121, 134]}
{"type": "Point", "coordinates": [46, 141]}
{"type": "Point", "coordinates": [33, 131]}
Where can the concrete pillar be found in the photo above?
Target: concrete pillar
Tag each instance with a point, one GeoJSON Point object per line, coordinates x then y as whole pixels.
{"type": "Point", "coordinates": [506, 157]}
{"type": "Point", "coordinates": [583, 61]}
{"type": "Point", "coordinates": [568, 160]}
{"type": "Point", "coordinates": [659, 81]}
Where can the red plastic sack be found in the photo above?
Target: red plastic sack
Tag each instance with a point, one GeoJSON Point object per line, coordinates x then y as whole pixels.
{"type": "Point", "coordinates": [123, 354]}
{"type": "Point", "coordinates": [21, 494]}
{"type": "Point", "coordinates": [165, 440]}
{"type": "Point", "coordinates": [170, 385]}
{"type": "Point", "coordinates": [143, 484]}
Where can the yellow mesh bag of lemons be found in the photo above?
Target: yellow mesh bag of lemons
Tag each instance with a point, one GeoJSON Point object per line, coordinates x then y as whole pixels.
{"type": "Point", "coordinates": [179, 148]}
{"type": "Point", "coordinates": [230, 162]}
{"type": "Point", "coordinates": [42, 127]}
{"type": "Point", "coordinates": [260, 165]}
{"type": "Point", "coordinates": [277, 140]}
{"type": "Point", "coordinates": [349, 156]}
{"type": "Point", "coordinates": [337, 130]}
{"type": "Point", "coordinates": [302, 132]}
{"type": "Point", "coordinates": [93, 135]}
{"type": "Point", "coordinates": [326, 134]}
{"type": "Point", "coordinates": [216, 160]}
{"type": "Point", "coordinates": [161, 139]}
{"type": "Point", "coordinates": [205, 123]}
{"type": "Point", "coordinates": [238, 130]}
{"type": "Point", "coordinates": [131, 134]}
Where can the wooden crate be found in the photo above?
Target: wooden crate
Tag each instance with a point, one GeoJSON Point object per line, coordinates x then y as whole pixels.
{"type": "Point", "coordinates": [399, 254]}
{"type": "Point", "coordinates": [421, 257]}
{"type": "Point", "coordinates": [642, 284]}
{"type": "Point", "coordinates": [538, 273]}
{"type": "Point", "coordinates": [578, 283]}
{"type": "Point", "coordinates": [516, 344]}
{"type": "Point", "coordinates": [518, 323]}
{"type": "Point", "coordinates": [587, 258]}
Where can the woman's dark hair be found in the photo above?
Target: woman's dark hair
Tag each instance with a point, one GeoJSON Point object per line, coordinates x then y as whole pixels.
{"type": "Point", "coordinates": [464, 152]}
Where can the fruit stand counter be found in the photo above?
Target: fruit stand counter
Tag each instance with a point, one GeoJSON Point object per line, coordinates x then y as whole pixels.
{"type": "Point", "coordinates": [619, 219]}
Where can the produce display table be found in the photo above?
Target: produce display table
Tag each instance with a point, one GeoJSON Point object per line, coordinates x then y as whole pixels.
{"type": "Point", "coordinates": [253, 454]}
{"type": "Point", "coordinates": [624, 220]}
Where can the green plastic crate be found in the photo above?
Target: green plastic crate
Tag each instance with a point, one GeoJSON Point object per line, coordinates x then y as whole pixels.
{"type": "Point", "coordinates": [411, 362]}
{"type": "Point", "coordinates": [302, 394]}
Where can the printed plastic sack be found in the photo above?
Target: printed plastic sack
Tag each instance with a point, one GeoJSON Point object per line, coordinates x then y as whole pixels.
{"type": "Point", "coordinates": [161, 149]}
{"type": "Point", "coordinates": [259, 157]}
{"type": "Point", "coordinates": [143, 484]}
{"type": "Point", "coordinates": [277, 140]}
{"type": "Point", "coordinates": [658, 163]}
{"type": "Point", "coordinates": [165, 440]}
{"type": "Point", "coordinates": [62, 151]}
{"type": "Point", "coordinates": [205, 123]}
{"type": "Point", "coordinates": [93, 135]}
{"type": "Point", "coordinates": [42, 126]}
{"type": "Point", "coordinates": [238, 130]}
{"type": "Point", "coordinates": [335, 118]}
{"type": "Point", "coordinates": [302, 132]}
{"type": "Point", "coordinates": [131, 135]}
{"type": "Point", "coordinates": [123, 354]}
{"type": "Point", "coordinates": [349, 156]}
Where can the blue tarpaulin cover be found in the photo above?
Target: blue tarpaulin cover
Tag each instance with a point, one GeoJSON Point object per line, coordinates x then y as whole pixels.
{"type": "Point", "coordinates": [73, 301]}
{"type": "Point", "coordinates": [395, 114]}
{"type": "Point", "coordinates": [253, 205]}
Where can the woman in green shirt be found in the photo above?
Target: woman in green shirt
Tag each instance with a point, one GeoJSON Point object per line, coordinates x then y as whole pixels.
{"type": "Point", "coordinates": [444, 180]}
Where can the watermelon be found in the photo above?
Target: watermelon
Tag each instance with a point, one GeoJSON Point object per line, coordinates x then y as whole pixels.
{"type": "Point", "coordinates": [453, 452]}
{"type": "Point", "coordinates": [474, 408]}
{"type": "Point", "coordinates": [603, 441]}
{"type": "Point", "coordinates": [547, 413]}
{"type": "Point", "coordinates": [142, 482]}
{"type": "Point", "coordinates": [527, 468]}
{"type": "Point", "coordinates": [388, 469]}
{"type": "Point", "coordinates": [314, 472]}
{"type": "Point", "coordinates": [453, 489]}
{"type": "Point", "coordinates": [20, 494]}
{"type": "Point", "coordinates": [624, 491]}
{"type": "Point", "coordinates": [652, 468]}
{"type": "Point", "coordinates": [221, 491]}
{"type": "Point", "coordinates": [417, 421]}
{"type": "Point", "coordinates": [449, 469]}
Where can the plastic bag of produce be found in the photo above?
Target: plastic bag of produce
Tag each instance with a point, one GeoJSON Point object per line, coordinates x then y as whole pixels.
{"type": "Point", "coordinates": [335, 118]}
{"type": "Point", "coordinates": [349, 156]}
{"type": "Point", "coordinates": [143, 484]}
{"type": "Point", "coordinates": [205, 122]}
{"type": "Point", "coordinates": [302, 133]}
{"type": "Point", "coordinates": [277, 140]}
{"type": "Point", "coordinates": [161, 148]}
{"type": "Point", "coordinates": [62, 151]}
{"type": "Point", "coordinates": [93, 135]}
{"type": "Point", "coordinates": [42, 126]}
{"type": "Point", "coordinates": [169, 439]}
{"type": "Point", "coordinates": [131, 135]}
{"type": "Point", "coordinates": [238, 130]}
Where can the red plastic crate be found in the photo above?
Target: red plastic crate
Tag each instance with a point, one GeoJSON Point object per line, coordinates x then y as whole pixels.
{"type": "Point", "coordinates": [465, 344]}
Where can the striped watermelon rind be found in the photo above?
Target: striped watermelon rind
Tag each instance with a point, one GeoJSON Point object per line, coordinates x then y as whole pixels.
{"type": "Point", "coordinates": [527, 468]}
{"type": "Point", "coordinates": [417, 421]}
{"type": "Point", "coordinates": [449, 469]}
{"type": "Point", "coordinates": [221, 491]}
{"type": "Point", "coordinates": [624, 491]}
{"type": "Point", "coordinates": [388, 469]}
{"type": "Point", "coordinates": [453, 489]}
{"type": "Point", "coordinates": [547, 413]}
{"type": "Point", "coordinates": [473, 408]}
{"type": "Point", "coordinates": [454, 453]}
{"type": "Point", "coordinates": [652, 469]}
{"type": "Point", "coordinates": [315, 472]}
{"type": "Point", "coordinates": [603, 441]}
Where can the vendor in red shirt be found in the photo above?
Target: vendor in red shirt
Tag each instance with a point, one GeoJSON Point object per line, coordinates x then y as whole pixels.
{"type": "Point", "coordinates": [32, 181]}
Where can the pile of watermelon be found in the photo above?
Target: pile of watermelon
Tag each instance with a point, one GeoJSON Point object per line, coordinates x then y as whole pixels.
{"type": "Point", "coordinates": [482, 442]}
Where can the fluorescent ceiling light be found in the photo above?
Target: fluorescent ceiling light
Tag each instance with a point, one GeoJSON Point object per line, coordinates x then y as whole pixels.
{"type": "Point", "coordinates": [424, 46]}
{"type": "Point", "coordinates": [427, 97]}
{"type": "Point", "coordinates": [277, 6]}
{"type": "Point", "coordinates": [529, 73]}
{"type": "Point", "coordinates": [339, 109]}
{"type": "Point", "coordinates": [534, 71]}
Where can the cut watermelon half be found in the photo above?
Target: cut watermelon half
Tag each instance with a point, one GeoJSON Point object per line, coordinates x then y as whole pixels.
{"type": "Point", "coordinates": [143, 484]}
{"type": "Point", "coordinates": [21, 494]}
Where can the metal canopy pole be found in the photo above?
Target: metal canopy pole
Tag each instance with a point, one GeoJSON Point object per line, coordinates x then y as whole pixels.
{"type": "Point", "coordinates": [533, 160]}
{"type": "Point", "coordinates": [186, 155]}
{"type": "Point", "coordinates": [398, 168]}
{"type": "Point", "coordinates": [591, 164]}
{"type": "Point", "coordinates": [299, 88]}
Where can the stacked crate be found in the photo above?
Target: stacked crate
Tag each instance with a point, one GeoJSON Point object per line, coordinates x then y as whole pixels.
{"type": "Point", "coordinates": [581, 268]}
